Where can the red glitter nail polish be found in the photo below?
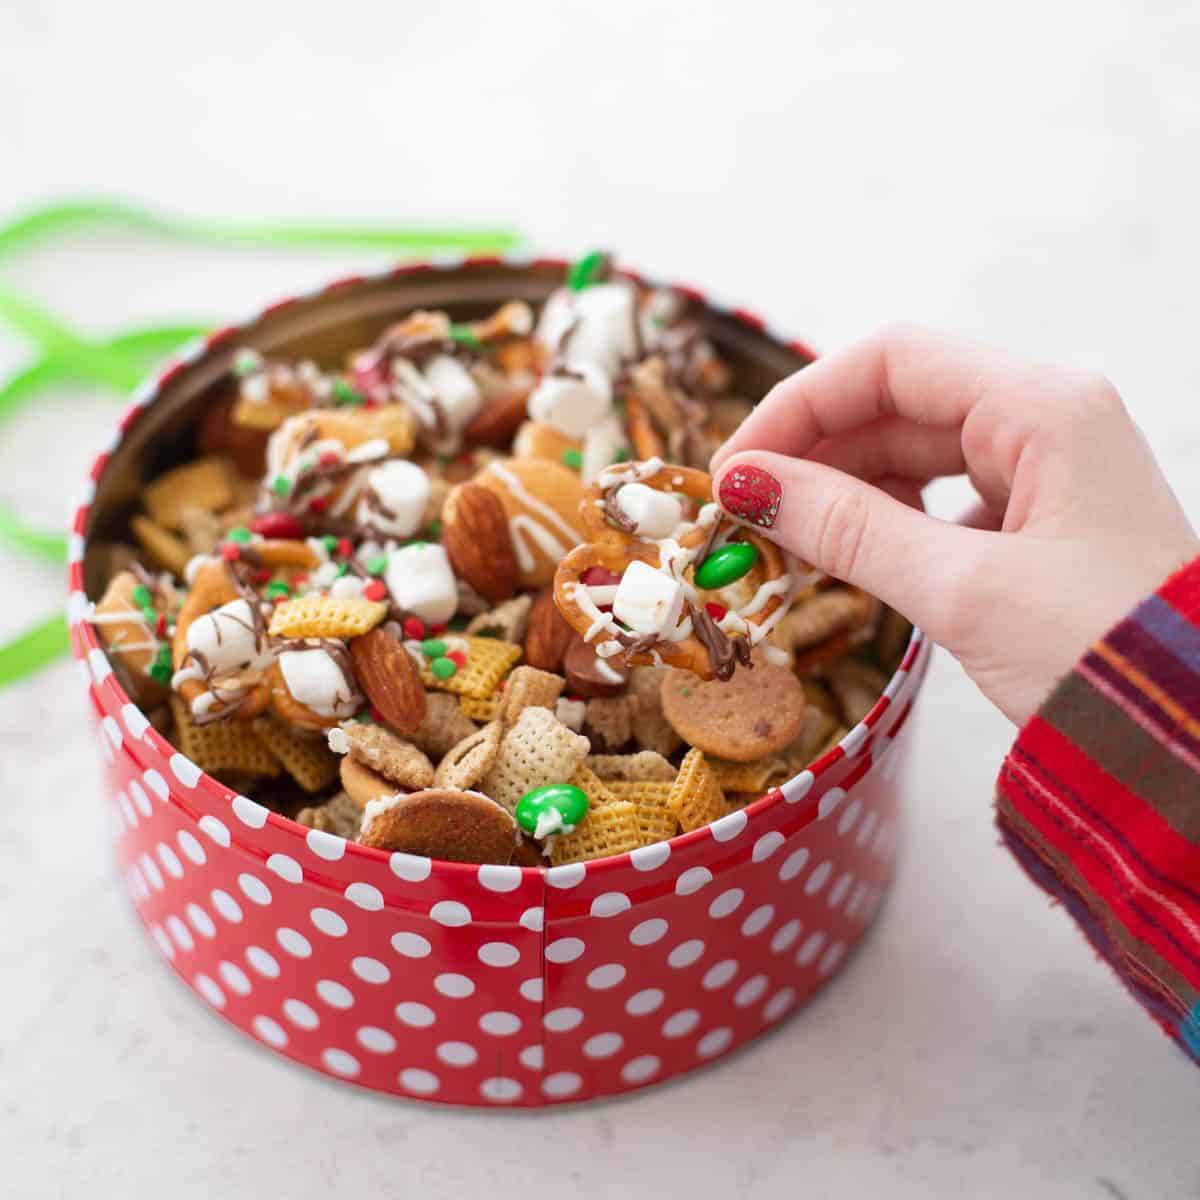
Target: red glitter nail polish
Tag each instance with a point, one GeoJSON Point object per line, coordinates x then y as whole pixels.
{"type": "Point", "coordinates": [752, 495]}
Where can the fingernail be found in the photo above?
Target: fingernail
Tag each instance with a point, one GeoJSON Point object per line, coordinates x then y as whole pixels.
{"type": "Point", "coordinates": [752, 495]}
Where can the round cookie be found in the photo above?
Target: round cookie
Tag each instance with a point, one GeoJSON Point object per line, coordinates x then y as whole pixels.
{"type": "Point", "coordinates": [442, 823]}
{"type": "Point", "coordinates": [541, 499]}
{"type": "Point", "coordinates": [757, 712]}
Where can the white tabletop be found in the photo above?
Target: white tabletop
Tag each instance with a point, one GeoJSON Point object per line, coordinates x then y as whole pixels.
{"type": "Point", "coordinates": [1025, 173]}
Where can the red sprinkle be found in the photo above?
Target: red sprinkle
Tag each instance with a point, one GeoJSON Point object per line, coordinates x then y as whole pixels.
{"type": "Point", "coordinates": [376, 715]}
{"type": "Point", "coordinates": [344, 548]}
{"type": "Point", "coordinates": [230, 551]}
{"type": "Point", "coordinates": [599, 577]}
{"type": "Point", "coordinates": [413, 627]}
{"type": "Point", "coordinates": [375, 590]}
{"type": "Point", "coordinates": [574, 699]}
{"type": "Point", "coordinates": [438, 630]}
{"type": "Point", "coordinates": [319, 504]}
{"type": "Point", "coordinates": [299, 581]}
{"type": "Point", "coordinates": [715, 610]}
{"type": "Point", "coordinates": [277, 525]}
{"type": "Point", "coordinates": [458, 658]}
{"type": "Point", "coordinates": [160, 626]}
{"type": "Point", "coordinates": [329, 459]}
{"type": "Point", "coordinates": [263, 575]}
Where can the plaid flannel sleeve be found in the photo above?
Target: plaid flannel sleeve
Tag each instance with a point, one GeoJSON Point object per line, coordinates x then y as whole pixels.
{"type": "Point", "coordinates": [1099, 799]}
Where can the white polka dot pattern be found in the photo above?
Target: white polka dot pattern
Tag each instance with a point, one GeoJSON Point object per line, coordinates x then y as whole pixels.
{"type": "Point", "coordinates": [495, 986]}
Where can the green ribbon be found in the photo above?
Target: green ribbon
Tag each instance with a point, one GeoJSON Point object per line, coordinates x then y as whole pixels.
{"type": "Point", "coordinates": [119, 363]}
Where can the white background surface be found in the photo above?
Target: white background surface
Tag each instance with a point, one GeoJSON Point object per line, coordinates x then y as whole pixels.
{"type": "Point", "coordinates": [1022, 172]}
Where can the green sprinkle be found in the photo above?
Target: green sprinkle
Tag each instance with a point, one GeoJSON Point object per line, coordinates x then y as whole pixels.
{"type": "Point", "coordinates": [164, 655]}
{"type": "Point", "coordinates": [685, 691]}
{"type": "Point", "coordinates": [278, 588]}
{"type": "Point", "coordinates": [343, 569]}
{"type": "Point", "coordinates": [377, 564]}
{"type": "Point", "coordinates": [142, 596]}
{"type": "Point", "coordinates": [433, 647]}
{"type": "Point", "coordinates": [160, 672]}
{"type": "Point", "coordinates": [364, 717]}
{"type": "Point", "coordinates": [343, 393]}
{"type": "Point", "coordinates": [464, 335]}
{"type": "Point", "coordinates": [329, 542]}
{"type": "Point", "coordinates": [622, 454]}
{"type": "Point", "coordinates": [433, 530]}
{"type": "Point", "coordinates": [149, 615]}
{"type": "Point", "coordinates": [444, 668]}
{"type": "Point", "coordinates": [572, 459]}
{"type": "Point", "coordinates": [239, 534]}
{"type": "Point", "coordinates": [281, 485]}
{"type": "Point", "coordinates": [458, 624]}
{"type": "Point", "coordinates": [417, 545]}
{"type": "Point", "coordinates": [591, 268]}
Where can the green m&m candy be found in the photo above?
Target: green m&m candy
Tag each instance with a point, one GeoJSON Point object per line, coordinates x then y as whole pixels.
{"type": "Point", "coordinates": [726, 565]}
{"type": "Point", "coordinates": [555, 808]}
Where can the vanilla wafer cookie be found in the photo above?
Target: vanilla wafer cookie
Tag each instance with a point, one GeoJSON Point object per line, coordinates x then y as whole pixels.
{"type": "Point", "coordinates": [696, 797]}
{"type": "Point", "coordinates": [203, 483]}
{"type": "Point", "coordinates": [321, 616]}
{"type": "Point", "coordinates": [537, 750]}
{"type": "Point", "coordinates": [304, 756]}
{"type": "Point", "coordinates": [221, 745]}
{"type": "Point", "coordinates": [606, 830]}
{"type": "Point", "coordinates": [467, 763]}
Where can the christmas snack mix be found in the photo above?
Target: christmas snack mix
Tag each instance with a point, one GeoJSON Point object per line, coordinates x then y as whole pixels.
{"type": "Point", "coordinates": [468, 594]}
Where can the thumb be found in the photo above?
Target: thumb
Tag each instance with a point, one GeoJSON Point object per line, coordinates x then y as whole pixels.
{"type": "Point", "coordinates": [851, 530]}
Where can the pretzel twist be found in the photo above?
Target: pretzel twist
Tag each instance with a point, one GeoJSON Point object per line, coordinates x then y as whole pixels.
{"type": "Point", "coordinates": [613, 550]}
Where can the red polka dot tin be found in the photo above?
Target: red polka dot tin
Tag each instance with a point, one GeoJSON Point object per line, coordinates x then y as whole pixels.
{"type": "Point", "coordinates": [477, 985]}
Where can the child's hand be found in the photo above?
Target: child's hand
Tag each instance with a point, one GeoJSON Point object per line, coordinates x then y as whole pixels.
{"type": "Point", "coordinates": [1076, 523]}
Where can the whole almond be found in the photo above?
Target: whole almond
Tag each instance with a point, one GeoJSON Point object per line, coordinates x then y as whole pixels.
{"type": "Point", "coordinates": [476, 537]}
{"type": "Point", "coordinates": [549, 635]}
{"type": "Point", "coordinates": [498, 419]}
{"type": "Point", "coordinates": [390, 679]}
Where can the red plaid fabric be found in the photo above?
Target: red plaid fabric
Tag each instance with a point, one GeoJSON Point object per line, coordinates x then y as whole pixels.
{"type": "Point", "coordinates": [1099, 799]}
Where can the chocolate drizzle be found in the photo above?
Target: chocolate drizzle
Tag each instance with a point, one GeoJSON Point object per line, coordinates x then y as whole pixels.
{"type": "Point", "coordinates": [725, 654]}
{"type": "Point", "coordinates": [614, 512]}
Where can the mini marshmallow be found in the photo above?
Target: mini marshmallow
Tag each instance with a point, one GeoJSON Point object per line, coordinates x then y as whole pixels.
{"type": "Point", "coordinates": [403, 491]}
{"type": "Point", "coordinates": [601, 446]}
{"type": "Point", "coordinates": [572, 405]}
{"type": "Point", "coordinates": [458, 395]}
{"type": "Point", "coordinates": [648, 601]}
{"type": "Point", "coordinates": [315, 680]}
{"type": "Point", "coordinates": [598, 325]}
{"type": "Point", "coordinates": [225, 637]}
{"type": "Point", "coordinates": [654, 514]}
{"type": "Point", "coordinates": [421, 581]}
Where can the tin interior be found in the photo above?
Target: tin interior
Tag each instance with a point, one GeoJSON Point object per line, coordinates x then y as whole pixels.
{"type": "Point", "coordinates": [326, 326]}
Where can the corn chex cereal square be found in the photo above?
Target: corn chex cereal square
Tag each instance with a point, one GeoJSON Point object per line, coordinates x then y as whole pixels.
{"type": "Point", "coordinates": [696, 797]}
{"type": "Point", "coordinates": [305, 757]}
{"type": "Point", "coordinates": [488, 661]}
{"type": "Point", "coordinates": [221, 745]}
{"type": "Point", "coordinates": [200, 484]}
{"type": "Point", "coordinates": [609, 829]}
{"type": "Point", "coordinates": [323, 616]}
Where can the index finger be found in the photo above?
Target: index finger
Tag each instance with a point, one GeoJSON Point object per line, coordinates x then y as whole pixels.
{"type": "Point", "coordinates": [904, 369]}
